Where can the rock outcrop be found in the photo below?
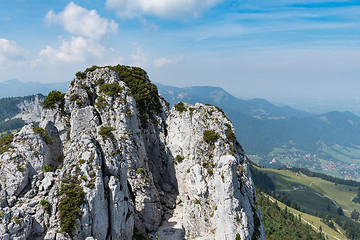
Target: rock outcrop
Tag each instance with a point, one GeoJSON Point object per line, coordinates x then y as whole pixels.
{"type": "Point", "coordinates": [30, 109]}
{"type": "Point", "coordinates": [26, 108]}
{"type": "Point", "coordinates": [110, 160]}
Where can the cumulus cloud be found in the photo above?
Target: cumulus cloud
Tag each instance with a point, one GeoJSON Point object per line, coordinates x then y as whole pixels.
{"type": "Point", "coordinates": [159, 62]}
{"type": "Point", "coordinates": [80, 21]}
{"type": "Point", "coordinates": [161, 8]}
{"type": "Point", "coordinates": [78, 49]}
{"type": "Point", "coordinates": [10, 51]}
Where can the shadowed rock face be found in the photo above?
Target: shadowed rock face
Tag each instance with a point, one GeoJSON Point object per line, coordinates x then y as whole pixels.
{"type": "Point", "coordinates": [163, 178]}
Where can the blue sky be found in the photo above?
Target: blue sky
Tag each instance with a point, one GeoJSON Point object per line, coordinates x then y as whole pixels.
{"type": "Point", "coordinates": [274, 49]}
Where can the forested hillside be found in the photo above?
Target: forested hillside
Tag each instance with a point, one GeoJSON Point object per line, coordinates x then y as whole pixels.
{"type": "Point", "coordinates": [281, 224]}
{"type": "Point", "coordinates": [332, 200]}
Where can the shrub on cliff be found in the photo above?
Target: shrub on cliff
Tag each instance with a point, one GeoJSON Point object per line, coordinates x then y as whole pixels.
{"type": "Point", "coordinates": [5, 142]}
{"type": "Point", "coordinates": [180, 107]}
{"type": "Point", "coordinates": [145, 93]}
{"type": "Point", "coordinates": [43, 133]}
{"type": "Point", "coordinates": [230, 134]}
{"type": "Point", "coordinates": [111, 89]}
{"type": "Point", "coordinates": [72, 197]}
{"type": "Point", "coordinates": [106, 132]}
{"type": "Point", "coordinates": [54, 97]}
{"type": "Point", "coordinates": [210, 136]}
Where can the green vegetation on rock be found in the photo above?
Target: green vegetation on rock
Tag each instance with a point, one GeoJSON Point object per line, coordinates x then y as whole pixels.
{"type": "Point", "coordinates": [100, 81]}
{"type": "Point", "coordinates": [178, 159]}
{"type": "Point", "coordinates": [5, 142]}
{"type": "Point", "coordinates": [111, 89]}
{"type": "Point", "coordinates": [46, 168]}
{"type": "Point", "coordinates": [180, 107]}
{"type": "Point", "coordinates": [81, 75]}
{"type": "Point", "coordinates": [54, 98]}
{"type": "Point", "coordinates": [101, 102]}
{"type": "Point", "coordinates": [46, 205]}
{"type": "Point", "coordinates": [230, 134]}
{"type": "Point", "coordinates": [257, 224]}
{"type": "Point", "coordinates": [43, 133]}
{"type": "Point", "coordinates": [144, 92]}
{"type": "Point", "coordinates": [71, 198]}
{"type": "Point", "coordinates": [106, 132]}
{"type": "Point", "coordinates": [20, 168]}
{"type": "Point", "coordinates": [92, 68]}
{"type": "Point", "coordinates": [210, 136]}
{"type": "Point", "coordinates": [74, 97]}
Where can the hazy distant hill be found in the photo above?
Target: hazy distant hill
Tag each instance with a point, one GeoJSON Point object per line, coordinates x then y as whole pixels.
{"type": "Point", "coordinates": [280, 135]}
{"type": "Point", "coordinates": [274, 135]}
{"type": "Point", "coordinates": [17, 88]}
{"type": "Point", "coordinates": [259, 108]}
{"type": "Point", "coordinates": [264, 126]}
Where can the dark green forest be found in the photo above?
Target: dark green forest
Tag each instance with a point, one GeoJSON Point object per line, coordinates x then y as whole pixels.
{"type": "Point", "coordinates": [281, 224]}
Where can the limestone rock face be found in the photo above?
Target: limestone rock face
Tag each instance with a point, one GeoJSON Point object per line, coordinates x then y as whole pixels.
{"type": "Point", "coordinates": [30, 110]}
{"type": "Point", "coordinates": [103, 162]}
{"type": "Point", "coordinates": [216, 193]}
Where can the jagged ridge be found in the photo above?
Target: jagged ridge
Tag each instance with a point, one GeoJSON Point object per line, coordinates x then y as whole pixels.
{"type": "Point", "coordinates": [144, 169]}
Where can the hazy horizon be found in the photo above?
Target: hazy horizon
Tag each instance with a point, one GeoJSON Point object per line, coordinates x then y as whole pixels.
{"type": "Point", "coordinates": [298, 49]}
{"type": "Point", "coordinates": [316, 105]}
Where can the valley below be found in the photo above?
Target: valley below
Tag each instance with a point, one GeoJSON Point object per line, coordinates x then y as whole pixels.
{"type": "Point", "coordinates": [325, 203]}
{"type": "Point", "coordinates": [338, 161]}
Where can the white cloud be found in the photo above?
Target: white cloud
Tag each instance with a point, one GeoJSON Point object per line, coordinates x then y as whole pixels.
{"type": "Point", "coordinates": [140, 58]}
{"type": "Point", "coordinates": [159, 62]}
{"type": "Point", "coordinates": [161, 8]}
{"type": "Point", "coordinates": [10, 51]}
{"type": "Point", "coordinates": [144, 59]}
{"type": "Point", "coordinates": [77, 50]}
{"type": "Point", "coordinates": [82, 22]}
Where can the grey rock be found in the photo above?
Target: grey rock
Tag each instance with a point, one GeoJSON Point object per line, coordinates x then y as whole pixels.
{"type": "Point", "coordinates": [60, 236]}
{"type": "Point", "coordinates": [12, 201]}
{"type": "Point", "coordinates": [50, 235]}
{"type": "Point", "coordinates": [30, 110]}
{"type": "Point", "coordinates": [131, 178]}
{"type": "Point", "coordinates": [47, 181]}
{"type": "Point", "coordinates": [30, 194]}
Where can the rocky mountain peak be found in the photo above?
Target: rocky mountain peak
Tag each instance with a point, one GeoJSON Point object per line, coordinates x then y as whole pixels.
{"type": "Point", "coordinates": [110, 160]}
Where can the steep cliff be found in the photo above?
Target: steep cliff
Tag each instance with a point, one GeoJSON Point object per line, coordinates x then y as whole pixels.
{"type": "Point", "coordinates": [110, 160]}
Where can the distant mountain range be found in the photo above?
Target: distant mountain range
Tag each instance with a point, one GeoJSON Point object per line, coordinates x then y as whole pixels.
{"type": "Point", "coordinates": [273, 135]}
{"type": "Point", "coordinates": [281, 135]}
{"type": "Point", "coordinates": [17, 88]}
{"type": "Point", "coordinates": [257, 107]}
